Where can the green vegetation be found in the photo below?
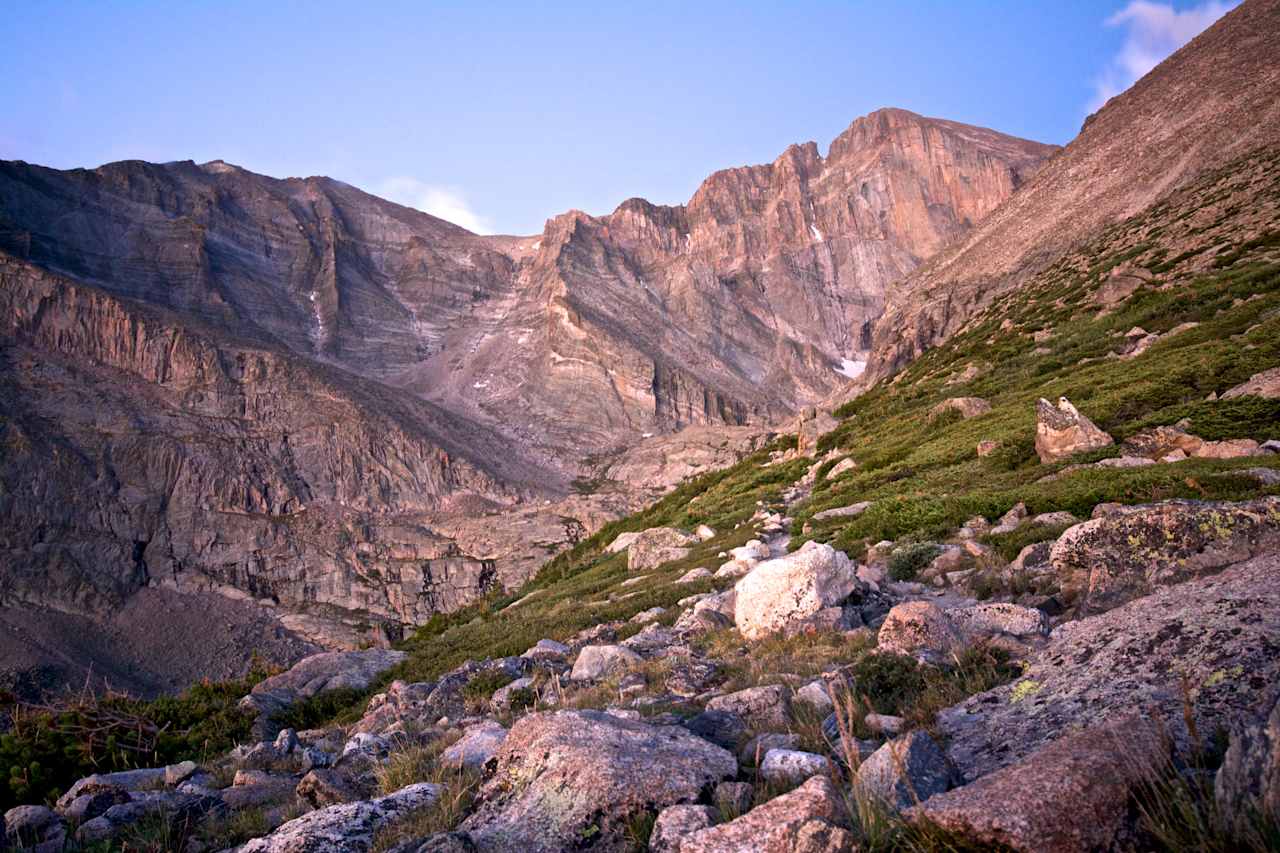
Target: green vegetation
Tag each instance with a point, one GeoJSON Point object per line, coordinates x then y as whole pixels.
{"type": "Point", "coordinates": [44, 750]}
{"type": "Point", "coordinates": [907, 561]}
{"type": "Point", "coordinates": [925, 478]}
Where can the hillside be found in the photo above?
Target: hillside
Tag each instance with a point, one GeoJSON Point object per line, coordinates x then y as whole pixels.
{"type": "Point", "coordinates": [1203, 107]}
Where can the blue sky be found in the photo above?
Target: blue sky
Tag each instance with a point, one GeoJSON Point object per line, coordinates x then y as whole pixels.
{"type": "Point", "coordinates": [499, 115]}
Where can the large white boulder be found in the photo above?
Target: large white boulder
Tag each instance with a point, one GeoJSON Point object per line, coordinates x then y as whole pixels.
{"type": "Point", "coordinates": [791, 589]}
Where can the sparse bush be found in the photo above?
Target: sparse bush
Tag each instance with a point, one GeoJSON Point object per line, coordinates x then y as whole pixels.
{"type": "Point", "coordinates": [906, 562]}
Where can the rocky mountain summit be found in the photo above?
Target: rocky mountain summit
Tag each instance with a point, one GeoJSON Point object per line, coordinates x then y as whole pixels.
{"type": "Point", "coordinates": [357, 415]}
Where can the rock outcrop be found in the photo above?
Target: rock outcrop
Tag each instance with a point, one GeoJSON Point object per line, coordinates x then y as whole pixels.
{"type": "Point", "coordinates": [1202, 650]}
{"type": "Point", "coordinates": [1062, 432]}
{"type": "Point", "coordinates": [786, 592]}
{"type": "Point", "coordinates": [1021, 806]}
{"type": "Point", "coordinates": [1129, 553]}
{"type": "Point", "coordinates": [807, 819]}
{"type": "Point", "coordinates": [569, 775]}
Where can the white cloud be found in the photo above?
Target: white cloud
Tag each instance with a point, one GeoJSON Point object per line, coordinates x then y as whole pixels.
{"type": "Point", "coordinates": [1152, 32]}
{"type": "Point", "coordinates": [447, 203]}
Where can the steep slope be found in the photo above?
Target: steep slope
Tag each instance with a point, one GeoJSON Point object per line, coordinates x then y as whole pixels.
{"type": "Point", "coordinates": [144, 450]}
{"type": "Point", "coordinates": [739, 306]}
{"type": "Point", "coordinates": [358, 415]}
{"type": "Point", "coordinates": [1208, 103]}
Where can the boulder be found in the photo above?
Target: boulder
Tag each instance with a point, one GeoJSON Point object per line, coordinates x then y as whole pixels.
{"type": "Point", "coordinates": [816, 695]}
{"type": "Point", "coordinates": [34, 828]}
{"type": "Point", "coordinates": [753, 751]}
{"type": "Point", "coordinates": [705, 533]}
{"type": "Point", "coordinates": [792, 766]}
{"type": "Point", "coordinates": [477, 746]}
{"type": "Point", "coordinates": [656, 546]}
{"type": "Point", "coordinates": [765, 707]}
{"type": "Point", "coordinates": [1062, 431]}
{"type": "Point", "coordinates": [330, 786]}
{"type": "Point", "coordinates": [1249, 779]}
{"type": "Point", "coordinates": [1011, 520]}
{"type": "Point", "coordinates": [675, 823]}
{"type": "Point", "coordinates": [344, 828]}
{"type": "Point", "coordinates": [1232, 448]}
{"type": "Point", "coordinates": [846, 464]}
{"type": "Point", "coordinates": [314, 675]}
{"type": "Point", "coordinates": [806, 820]}
{"type": "Point", "coordinates": [968, 407]}
{"type": "Point", "coordinates": [1264, 384]}
{"type": "Point", "coordinates": [1108, 561]}
{"type": "Point", "coordinates": [778, 593]}
{"type": "Point", "coordinates": [597, 662]}
{"type": "Point", "coordinates": [569, 775]}
{"type": "Point", "coordinates": [918, 628]}
{"type": "Point", "coordinates": [752, 552]}
{"type": "Point", "coordinates": [622, 542]}
{"type": "Point", "coordinates": [1204, 647]}
{"type": "Point", "coordinates": [694, 575]}
{"type": "Point", "coordinates": [850, 511]}
{"type": "Point", "coordinates": [547, 650]}
{"type": "Point", "coordinates": [906, 771]}
{"type": "Point", "coordinates": [1071, 795]}
{"type": "Point", "coordinates": [124, 780]}
{"type": "Point", "coordinates": [991, 619]}
{"type": "Point", "coordinates": [722, 728]}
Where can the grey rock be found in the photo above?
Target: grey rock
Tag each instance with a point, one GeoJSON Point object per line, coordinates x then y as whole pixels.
{"type": "Point", "coordinates": [584, 769]}
{"type": "Point", "coordinates": [906, 771]}
{"type": "Point", "coordinates": [792, 766]}
{"type": "Point", "coordinates": [1215, 632]}
{"type": "Point", "coordinates": [314, 675]}
{"type": "Point", "coordinates": [656, 546]}
{"type": "Point", "coordinates": [764, 707]}
{"type": "Point", "coordinates": [32, 826]}
{"type": "Point", "coordinates": [1107, 561]}
{"type": "Point", "coordinates": [597, 662]}
{"type": "Point", "coordinates": [345, 828]}
{"type": "Point", "coordinates": [1248, 782]}
{"type": "Point", "coordinates": [675, 823]}
{"type": "Point", "coordinates": [806, 820]}
{"type": "Point", "coordinates": [478, 746]}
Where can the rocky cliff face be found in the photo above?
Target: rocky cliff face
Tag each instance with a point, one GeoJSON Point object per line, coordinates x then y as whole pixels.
{"type": "Point", "coordinates": [1206, 105]}
{"type": "Point", "coordinates": [352, 412]}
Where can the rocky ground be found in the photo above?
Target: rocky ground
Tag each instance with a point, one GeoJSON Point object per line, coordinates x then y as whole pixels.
{"type": "Point", "coordinates": [801, 701]}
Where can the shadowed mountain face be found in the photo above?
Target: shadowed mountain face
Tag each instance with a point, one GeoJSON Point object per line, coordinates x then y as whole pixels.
{"type": "Point", "coordinates": [1209, 103]}
{"type": "Point", "coordinates": [294, 392]}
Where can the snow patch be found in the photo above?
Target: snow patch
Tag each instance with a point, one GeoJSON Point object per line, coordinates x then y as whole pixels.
{"type": "Point", "coordinates": [851, 368]}
{"type": "Point", "coordinates": [813, 229]}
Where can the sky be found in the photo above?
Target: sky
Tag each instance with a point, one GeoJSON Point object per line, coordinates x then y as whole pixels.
{"type": "Point", "coordinates": [497, 116]}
